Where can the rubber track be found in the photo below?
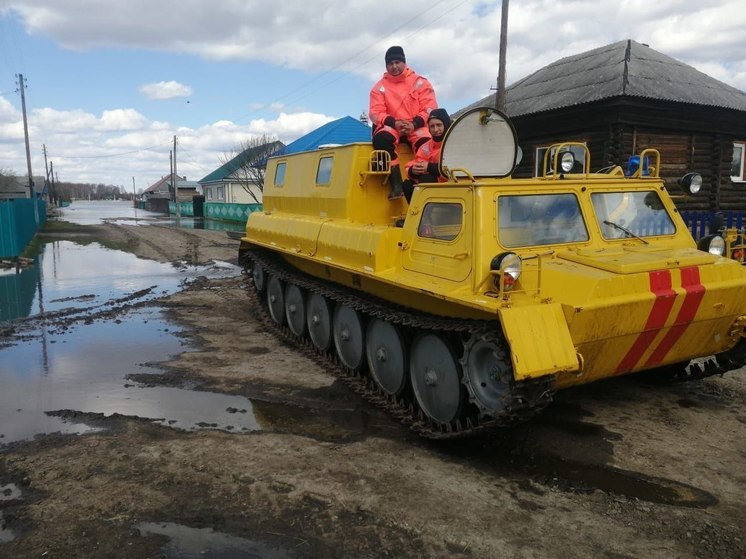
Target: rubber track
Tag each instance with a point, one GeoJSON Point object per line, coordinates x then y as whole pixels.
{"type": "Point", "coordinates": [528, 397]}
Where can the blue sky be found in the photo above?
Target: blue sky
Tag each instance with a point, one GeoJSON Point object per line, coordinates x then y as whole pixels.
{"type": "Point", "coordinates": [111, 83]}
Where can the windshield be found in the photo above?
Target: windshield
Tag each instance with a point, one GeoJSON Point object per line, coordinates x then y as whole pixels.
{"type": "Point", "coordinates": [631, 214]}
{"type": "Point", "coordinates": [542, 219]}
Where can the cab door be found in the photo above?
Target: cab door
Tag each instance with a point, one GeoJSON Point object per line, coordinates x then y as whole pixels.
{"type": "Point", "coordinates": [438, 229]}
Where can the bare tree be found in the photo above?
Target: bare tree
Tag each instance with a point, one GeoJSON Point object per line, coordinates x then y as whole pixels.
{"type": "Point", "coordinates": [248, 162]}
{"type": "Point", "coordinates": [8, 178]}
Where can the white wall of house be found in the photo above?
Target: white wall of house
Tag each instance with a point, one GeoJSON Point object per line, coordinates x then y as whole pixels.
{"type": "Point", "coordinates": [231, 192]}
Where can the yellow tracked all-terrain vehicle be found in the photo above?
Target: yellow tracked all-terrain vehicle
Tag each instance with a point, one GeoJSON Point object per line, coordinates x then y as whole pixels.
{"type": "Point", "coordinates": [492, 292]}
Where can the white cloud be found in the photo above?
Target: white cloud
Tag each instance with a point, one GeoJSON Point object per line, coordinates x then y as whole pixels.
{"type": "Point", "coordinates": [454, 43]}
{"type": "Point", "coordinates": [118, 144]}
{"type": "Point", "coordinates": [165, 90]}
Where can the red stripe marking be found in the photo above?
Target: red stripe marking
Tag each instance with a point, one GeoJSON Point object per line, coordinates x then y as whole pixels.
{"type": "Point", "coordinates": [695, 292]}
{"type": "Point", "coordinates": [660, 285]}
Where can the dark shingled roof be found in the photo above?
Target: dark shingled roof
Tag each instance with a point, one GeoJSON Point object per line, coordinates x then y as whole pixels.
{"type": "Point", "coordinates": [626, 68]}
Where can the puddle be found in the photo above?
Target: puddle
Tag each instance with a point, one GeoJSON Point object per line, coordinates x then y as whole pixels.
{"type": "Point", "coordinates": [6, 534]}
{"type": "Point", "coordinates": [84, 369]}
{"type": "Point", "coordinates": [509, 454]}
{"type": "Point", "coordinates": [67, 275]}
{"type": "Point", "coordinates": [586, 478]}
{"type": "Point", "coordinates": [103, 330]}
{"type": "Point", "coordinates": [193, 543]}
{"type": "Point", "coordinates": [9, 492]}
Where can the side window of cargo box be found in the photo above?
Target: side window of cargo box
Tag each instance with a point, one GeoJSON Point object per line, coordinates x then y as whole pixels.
{"type": "Point", "coordinates": [280, 174]}
{"type": "Point", "coordinates": [324, 172]}
{"type": "Point", "coordinates": [441, 221]}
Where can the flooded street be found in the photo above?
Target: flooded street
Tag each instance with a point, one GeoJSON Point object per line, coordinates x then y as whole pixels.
{"type": "Point", "coordinates": [54, 373]}
{"type": "Point", "coordinates": [147, 411]}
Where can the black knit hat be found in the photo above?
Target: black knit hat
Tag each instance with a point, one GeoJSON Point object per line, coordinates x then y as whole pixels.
{"type": "Point", "coordinates": [442, 115]}
{"type": "Point", "coordinates": [395, 53]}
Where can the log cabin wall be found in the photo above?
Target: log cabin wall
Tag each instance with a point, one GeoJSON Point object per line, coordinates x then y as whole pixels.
{"type": "Point", "coordinates": [688, 137]}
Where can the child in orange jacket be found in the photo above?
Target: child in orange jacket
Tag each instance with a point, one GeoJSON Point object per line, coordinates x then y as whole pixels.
{"type": "Point", "coordinates": [424, 166]}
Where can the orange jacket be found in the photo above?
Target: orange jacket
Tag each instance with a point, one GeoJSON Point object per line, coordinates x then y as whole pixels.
{"type": "Point", "coordinates": [407, 96]}
{"type": "Point", "coordinates": [428, 152]}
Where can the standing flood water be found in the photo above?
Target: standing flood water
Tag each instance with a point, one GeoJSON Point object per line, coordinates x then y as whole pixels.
{"type": "Point", "coordinates": [80, 320]}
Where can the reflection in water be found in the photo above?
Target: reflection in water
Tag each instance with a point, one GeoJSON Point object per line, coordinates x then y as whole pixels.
{"type": "Point", "coordinates": [17, 291]}
{"type": "Point", "coordinates": [84, 369]}
{"type": "Point", "coordinates": [86, 330]}
{"type": "Point", "coordinates": [87, 276]}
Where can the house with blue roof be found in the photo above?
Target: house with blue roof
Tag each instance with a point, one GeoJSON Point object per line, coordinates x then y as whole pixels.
{"type": "Point", "coordinates": [345, 130]}
{"type": "Point", "coordinates": [235, 182]}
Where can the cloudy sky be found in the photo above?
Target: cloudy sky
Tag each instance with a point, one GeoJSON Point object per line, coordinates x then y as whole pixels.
{"type": "Point", "coordinates": [110, 83]}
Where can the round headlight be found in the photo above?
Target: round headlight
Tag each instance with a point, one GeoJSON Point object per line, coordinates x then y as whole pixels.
{"type": "Point", "coordinates": [717, 246]}
{"type": "Point", "coordinates": [567, 161]}
{"type": "Point", "coordinates": [714, 244]}
{"type": "Point", "coordinates": [696, 184]}
{"type": "Point", "coordinates": [509, 265]}
{"type": "Point", "coordinates": [691, 183]}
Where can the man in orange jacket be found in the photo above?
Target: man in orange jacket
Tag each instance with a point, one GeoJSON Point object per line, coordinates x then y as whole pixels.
{"type": "Point", "coordinates": [400, 103]}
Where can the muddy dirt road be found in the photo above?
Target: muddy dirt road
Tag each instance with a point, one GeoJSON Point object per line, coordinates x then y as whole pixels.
{"type": "Point", "coordinates": [617, 469]}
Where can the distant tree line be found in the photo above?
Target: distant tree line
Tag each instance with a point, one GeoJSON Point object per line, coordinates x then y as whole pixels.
{"type": "Point", "coordinates": [86, 191]}
{"type": "Point", "coordinates": [68, 190]}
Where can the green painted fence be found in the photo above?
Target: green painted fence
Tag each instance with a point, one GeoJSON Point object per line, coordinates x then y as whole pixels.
{"type": "Point", "coordinates": [230, 212]}
{"type": "Point", "coordinates": [217, 210]}
{"type": "Point", "coordinates": [20, 219]}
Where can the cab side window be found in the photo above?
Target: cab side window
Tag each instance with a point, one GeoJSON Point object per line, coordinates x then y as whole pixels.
{"type": "Point", "coordinates": [324, 171]}
{"type": "Point", "coordinates": [280, 174]}
{"type": "Point", "coordinates": [441, 221]}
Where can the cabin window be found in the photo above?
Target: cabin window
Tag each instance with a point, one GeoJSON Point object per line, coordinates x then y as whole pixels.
{"type": "Point", "coordinates": [324, 172]}
{"type": "Point", "coordinates": [737, 166]}
{"type": "Point", "coordinates": [280, 174]}
{"type": "Point", "coordinates": [577, 151]}
{"type": "Point", "coordinates": [623, 215]}
{"type": "Point", "coordinates": [441, 221]}
{"type": "Point", "coordinates": [543, 219]}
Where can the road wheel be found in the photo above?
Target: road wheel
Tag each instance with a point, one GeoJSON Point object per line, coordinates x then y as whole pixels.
{"type": "Point", "coordinates": [349, 337]}
{"type": "Point", "coordinates": [319, 321]}
{"type": "Point", "coordinates": [295, 310]}
{"type": "Point", "coordinates": [259, 276]}
{"type": "Point", "coordinates": [276, 299]}
{"type": "Point", "coordinates": [436, 378]}
{"type": "Point", "coordinates": [386, 356]}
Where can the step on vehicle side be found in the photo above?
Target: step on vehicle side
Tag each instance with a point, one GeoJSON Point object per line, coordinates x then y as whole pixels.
{"type": "Point", "coordinates": [495, 292]}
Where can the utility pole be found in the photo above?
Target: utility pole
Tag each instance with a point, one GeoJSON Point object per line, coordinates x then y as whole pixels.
{"type": "Point", "coordinates": [52, 185]}
{"type": "Point", "coordinates": [176, 183]}
{"type": "Point", "coordinates": [500, 97]}
{"type": "Point", "coordinates": [22, 89]}
{"type": "Point", "coordinates": [47, 182]}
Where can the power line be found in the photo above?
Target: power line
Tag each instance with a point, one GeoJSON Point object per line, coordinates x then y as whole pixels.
{"type": "Point", "coordinates": [151, 148]}
{"type": "Point", "coordinates": [352, 57]}
{"type": "Point", "coordinates": [408, 36]}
